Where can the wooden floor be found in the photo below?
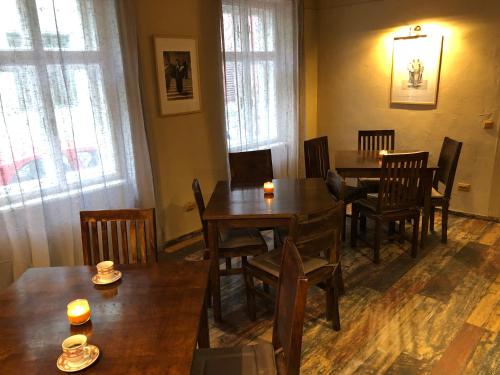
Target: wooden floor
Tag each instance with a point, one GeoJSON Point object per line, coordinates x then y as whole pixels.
{"type": "Point", "coordinates": [437, 314]}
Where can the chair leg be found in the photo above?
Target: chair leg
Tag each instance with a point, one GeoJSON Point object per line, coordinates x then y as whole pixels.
{"type": "Point", "coordinates": [376, 247]}
{"type": "Point", "coordinates": [340, 281]}
{"type": "Point", "coordinates": [344, 223]}
{"type": "Point", "coordinates": [228, 264]}
{"type": "Point", "coordinates": [401, 231]}
{"type": "Point", "coordinates": [444, 222]}
{"type": "Point", "coordinates": [332, 302]}
{"type": "Point", "coordinates": [362, 223]}
{"type": "Point", "coordinates": [431, 219]}
{"type": "Point", "coordinates": [206, 256]}
{"type": "Point", "coordinates": [250, 289]}
{"type": "Point", "coordinates": [414, 239]}
{"type": "Point", "coordinates": [354, 225]}
{"type": "Point", "coordinates": [392, 228]}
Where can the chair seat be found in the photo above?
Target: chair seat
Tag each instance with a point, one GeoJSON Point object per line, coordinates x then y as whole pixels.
{"type": "Point", "coordinates": [240, 237]}
{"type": "Point", "coordinates": [248, 360]}
{"type": "Point", "coordinates": [270, 262]}
{"type": "Point", "coordinates": [353, 193]}
{"type": "Point", "coordinates": [436, 194]}
{"type": "Point", "coordinates": [370, 184]}
{"type": "Point", "coordinates": [370, 204]}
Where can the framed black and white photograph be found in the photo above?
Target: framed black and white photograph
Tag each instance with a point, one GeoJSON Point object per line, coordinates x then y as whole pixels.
{"type": "Point", "coordinates": [416, 62]}
{"type": "Point", "coordinates": [177, 75]}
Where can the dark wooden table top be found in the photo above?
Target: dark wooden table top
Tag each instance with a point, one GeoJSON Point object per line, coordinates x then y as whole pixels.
{"type": "Point", "coordinates": [364, 163]}
{"type": "Point", "coordinates": [291, 196]}
{"type": "Point", "coordinates": [146, 323]}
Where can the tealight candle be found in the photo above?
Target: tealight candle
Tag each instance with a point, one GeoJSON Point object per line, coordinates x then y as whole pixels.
{"type": "Point", "coordinates": [382, 153]}
{"type": "Point", "coordinates": [268, 188]}
{"type": "Point", "coordinates": [78, 311]}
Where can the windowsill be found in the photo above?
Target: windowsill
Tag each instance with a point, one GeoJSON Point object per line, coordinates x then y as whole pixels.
{"type": "Point", "coordinates": [59, 196]}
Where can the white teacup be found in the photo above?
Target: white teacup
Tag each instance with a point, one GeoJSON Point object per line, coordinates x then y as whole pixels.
{"type": "Point", "coordinates": [105, 269]}
{"type": "Point", "coordinates": [75, 349]}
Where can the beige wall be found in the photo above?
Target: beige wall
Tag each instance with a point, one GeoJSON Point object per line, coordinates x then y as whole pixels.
{"type": "Point", "coordinates": [354, 66]}
{"type": "Point", "coordinates": [184, 146]}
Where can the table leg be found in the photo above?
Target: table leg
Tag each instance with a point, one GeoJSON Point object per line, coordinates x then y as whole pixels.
{"type": "Point", "coordinates": [213, 244]}
{"type": "Point", "coordinates": [203, 334]}
{"type": "Point", "coordinates": [427, 207]}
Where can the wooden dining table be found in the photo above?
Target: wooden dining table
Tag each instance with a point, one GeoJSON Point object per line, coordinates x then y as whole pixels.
{"type": "Point", "coordinates": [247, 206]}
{"type": "Point", "coordinates": [148, 322]}
{"type": "Point", "coordinates": [367, 164]}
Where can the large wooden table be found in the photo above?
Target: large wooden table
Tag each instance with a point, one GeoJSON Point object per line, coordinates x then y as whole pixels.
{"type": "Point", "coordinates": [149, 322]}
{"type": "Point", "coordinates": [248, 207]}
{"type": "Point", "coordinates": [352, 163]}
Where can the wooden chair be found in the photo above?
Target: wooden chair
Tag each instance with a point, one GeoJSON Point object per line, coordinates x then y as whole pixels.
{"type": "Point", "coordinates": [233, 243]}
{"type": "Point", "coordinates": [251, 167]}
{"type": "Point", "coordinates": [133, 229]}
{"type": "Point", "coordinates": [283, 355]}
{"type": "Point", "coordinates": [317, 158]}
{"type": "Point", "coordinates": [317, 237]}
{"type": "Point", "coordinates": [374, 140]}
{"type": "Point", "coordinates": [399, 195]}
{"type": "Point", "coordinates": [448, 162]}
{"type": "Point", "coordinates": [343, 192]}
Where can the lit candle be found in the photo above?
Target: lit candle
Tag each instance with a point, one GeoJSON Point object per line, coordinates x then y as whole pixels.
{"type": "Point", "coordinates": [268, 188]}
{"type": "Point", "coordinates": [382, 153]}
{"type": "Point", "coordinates": [78, 311]}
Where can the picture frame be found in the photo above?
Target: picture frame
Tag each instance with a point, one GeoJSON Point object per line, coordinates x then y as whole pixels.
{"type": "Point", "coordinates": [416, 66]}
{"type": "Point", "coordinates": [177, 72]}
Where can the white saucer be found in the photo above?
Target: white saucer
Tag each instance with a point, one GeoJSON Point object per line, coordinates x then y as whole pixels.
{"type": "Point", "coordinates": [64, 365]}
{"type": "Point", "coordinates": [96, 279]}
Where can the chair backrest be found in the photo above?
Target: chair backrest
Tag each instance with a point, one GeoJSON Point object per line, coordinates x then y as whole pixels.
{"type": "Point", "coordinates": [200, 203]}
{"type": "Point", "coordinates": [401, 180]}
{"type": "Point", "coordinates": [319, 233]}
{"type": "Point", "coordinates": [290, 310]}
{"type": "Point", "coordinates": [376, 140]}
{"type": "Point", "coordinates": [448, 162]}
{"type": "Point", "coordinates": [251, 167]}
{"type": "Point", "coordinates": [335, 184]}
{"type": "Point", "coordinates": [316, 157]}
{"type": "Point", "coordinates": [132, 232]}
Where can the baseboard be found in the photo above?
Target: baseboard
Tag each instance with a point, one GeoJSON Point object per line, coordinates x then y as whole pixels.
{"type": "Point", "coordinates": [473, 216]}
{"type": "Point", "coordinates": [189, 237]}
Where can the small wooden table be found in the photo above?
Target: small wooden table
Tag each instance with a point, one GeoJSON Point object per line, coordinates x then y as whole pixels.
{"type": "Point", "coordinates": [148, 322]}
{"type": "Point", "coordinates": [353, 163]}
{"type": "Point", "coordinates": [248, 207]}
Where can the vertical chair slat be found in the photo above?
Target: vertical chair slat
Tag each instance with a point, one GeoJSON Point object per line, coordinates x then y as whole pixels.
{"type": "Point", "coordinates": [123, 227]}
{"type": "Point", "coordinates": [142, 241]}
{"type": "Point", "coordinates": [85, 241]}
{"type": "Point", "coordinates": [114, 242]}
{"type": "Point", "coordinates": [95, 242]}
{"type": "Point", "coordinates": [105, 243]}
{"type": "Point", "coordinates": [133, 241]}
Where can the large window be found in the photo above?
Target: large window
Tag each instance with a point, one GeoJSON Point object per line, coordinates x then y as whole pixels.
{"type": "Point", "coordinates": [259, 45]}
{"type": "Point", "coordinates": [57, 104]}
{"type": "Point", "coordinates": [249, 46]}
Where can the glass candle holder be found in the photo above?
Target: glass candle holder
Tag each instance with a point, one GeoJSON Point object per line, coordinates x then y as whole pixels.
{"type": "Point", "coordinates": [268, 188]}
{"type": "Point", "coordinates": [78, 311]}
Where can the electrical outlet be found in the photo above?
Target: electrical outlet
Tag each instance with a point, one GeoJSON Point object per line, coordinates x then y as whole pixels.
{"type": "Point", "coordinates": [488, 124]}
{"type": "Point", "coordinates": [463, 186]}
{"type": "Point", "coordinates": [189, 206]}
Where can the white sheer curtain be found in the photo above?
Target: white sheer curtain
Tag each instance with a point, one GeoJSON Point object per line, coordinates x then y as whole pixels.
{"type": "Point", "coordinates": [260, 50]}
{"type": "Point", "coordinates": [71, 131]}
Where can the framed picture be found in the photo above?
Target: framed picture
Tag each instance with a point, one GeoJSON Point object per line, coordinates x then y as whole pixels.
{"type": "Point", "coordinates": [177, 75]}
{"type": "Point", "coordinates": [416, 62]}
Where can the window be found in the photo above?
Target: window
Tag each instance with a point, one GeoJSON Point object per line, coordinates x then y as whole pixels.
{"type": "Point", "coordinates": [250, 78]}
{"type": "Point", "coordinates": [59, 101]}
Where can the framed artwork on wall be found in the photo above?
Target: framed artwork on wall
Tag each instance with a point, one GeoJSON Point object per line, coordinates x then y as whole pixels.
{"type": "Point", "coordinates": [416, 63]}
{"type": "Point", "coordinates": [177, 75]}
